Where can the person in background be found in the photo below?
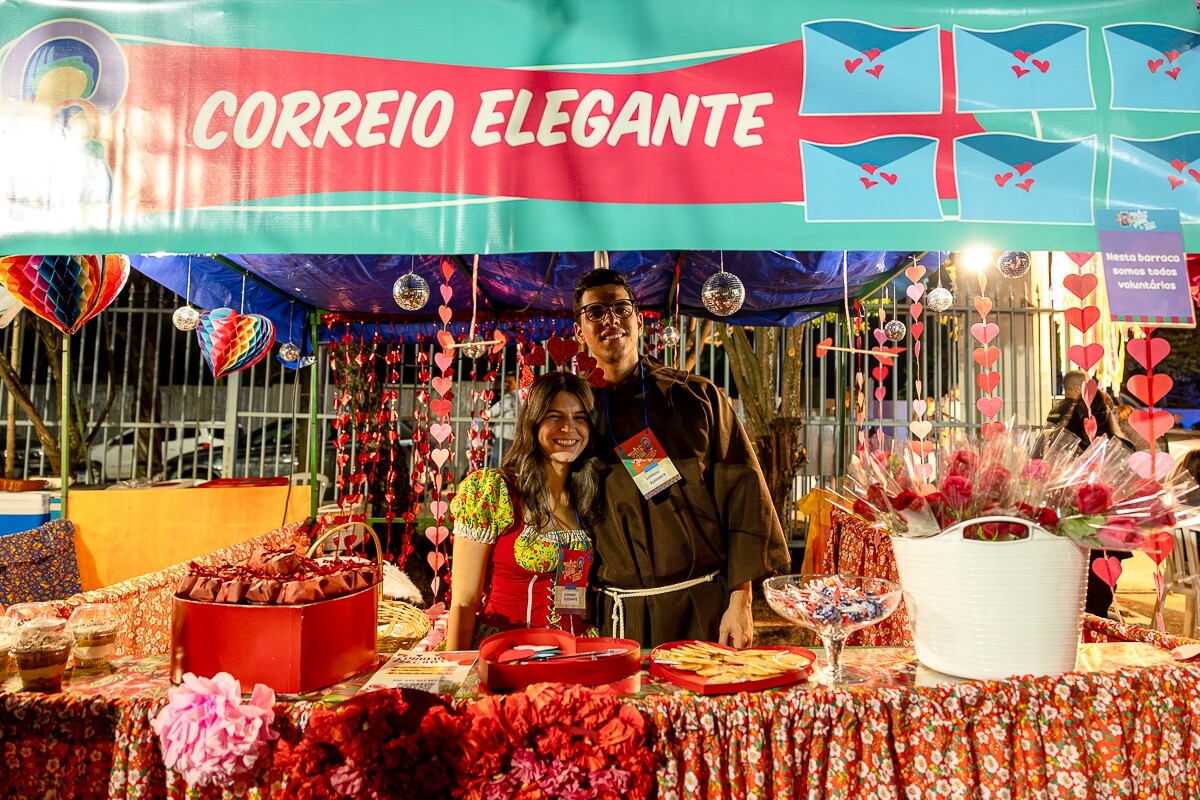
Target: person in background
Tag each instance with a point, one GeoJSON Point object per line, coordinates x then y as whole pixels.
{"type": "Point", "coordinates": [688, 523]}
{"type": "Point", "coordinates": [501, 417]}
{"type": "Point", "coordinates": [1070, 414]}
{"type": "Point", "coordinates": [521, 552]}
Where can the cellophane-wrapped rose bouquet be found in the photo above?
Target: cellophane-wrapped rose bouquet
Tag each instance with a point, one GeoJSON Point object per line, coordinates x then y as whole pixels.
{"type": "Point", "coordinates": [1095, 497]}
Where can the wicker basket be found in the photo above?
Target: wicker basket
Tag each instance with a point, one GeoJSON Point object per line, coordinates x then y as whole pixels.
{"type": "Point", "coordinates": [401, 625]}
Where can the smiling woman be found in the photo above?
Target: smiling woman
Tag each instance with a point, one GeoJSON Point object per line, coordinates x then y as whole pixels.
{"type": "Point", "coordinates": [521, 549]}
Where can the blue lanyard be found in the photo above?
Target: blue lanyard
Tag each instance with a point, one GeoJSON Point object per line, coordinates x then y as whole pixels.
{"type": "Point", "coordinates": [645, 412]}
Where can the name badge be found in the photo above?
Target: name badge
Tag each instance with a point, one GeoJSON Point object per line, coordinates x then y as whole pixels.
{"type": "Point", "coordinates": [570, 582]}
{"type": "Point", "coordinates": [648, 463]}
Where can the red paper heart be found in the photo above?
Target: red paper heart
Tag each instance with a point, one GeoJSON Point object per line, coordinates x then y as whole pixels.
{"type": "Point", "coordinates": [987, 381]}
{"type": "Point", "coordinates": [1150, 388]}
{"type": "Point", "coordinates": [584, 364]}
{"type": "Point", "coordinates": [596, 378]}
{"type": "Point", "coordinates": [1080, 259]}
{"type": "Point", "coordinates": [916, 329]}
{"type": "Point", "coordinates": [1089, 428]}
{"type": "Point", "coordinates": [441, 408]}
{"type": "Point", "coordinates": [823, 346]}
{"type": "Point", "coordinates": [1082, 319]}
{"type": "Point", "coordinates": [1151, 425]}
{"type": "Point", "coordinates": [536, 356]}
{"type": "Point", "coordinates": [922, 448]}
{"type": "Point", "coordinates": [914, 274]}
{"type": "Point", "coordinates": [444, 313]}
{"type": "Point", "coordinates": [915, 310]}
{"type": "Point", "coordinates": [1085, 356]}
{"type": "Point", "coordinates": [447, 268]}
{"type": "Point", "coordinates": [445, 338]}
{"type": "Point", "coordinates": [880, 373]}
{"type": "Point", "coordinates": [1107, 570]}
{"type": "Point", "coordinates": [436, 560]}
{"type": "Point", "coordinates": [1148, 352]}
{"type": "Point", "coordinates": [1158, 546]}
{"type": "Point", "coordinates": [985, 356]}
{"type": "Point", "coordinates": [1080, 284]}
{"type": "Point", "coordinates": [561, 350]}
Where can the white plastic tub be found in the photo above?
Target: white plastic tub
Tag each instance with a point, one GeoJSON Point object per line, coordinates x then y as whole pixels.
{"type": "Point", "coordinates": [990, 610]}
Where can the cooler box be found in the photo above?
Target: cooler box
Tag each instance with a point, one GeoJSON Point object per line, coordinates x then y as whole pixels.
{"type": "Point", "coordinates": [23, 511]}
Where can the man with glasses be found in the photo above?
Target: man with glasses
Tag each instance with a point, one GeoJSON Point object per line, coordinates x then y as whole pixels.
{"type": "Point", "coordinates": [688, 522]}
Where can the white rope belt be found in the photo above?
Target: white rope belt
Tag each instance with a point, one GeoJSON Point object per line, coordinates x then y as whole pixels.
{"type": "Point", "coordinates": [619, 595]}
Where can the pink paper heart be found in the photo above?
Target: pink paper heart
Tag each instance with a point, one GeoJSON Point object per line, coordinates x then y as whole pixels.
{"type": "Point", "coordinates": [1088, 391]}
{"type": "Point", "coordinates": [447, 293]}
{"type": "Point", "coordinates": [880, 393]}
{"type": "Point", "coordinates": [442, 385]}
{"type": "Point", "coordinates": [983, 305]}
{"type": "Point", "coordinates": [920, 428]}
{"type": "Point", "coordinates": [1089, 428]}
{"type": "Point", "coordinates": [880, 336]}
{"type": "Point", "coordinates": [1080, 284]}
{"type": "Point", "coordinates": [989, 406]}
{"type": "Point", "coordinates": [915, 273]}
{"type": "Point", "coordinates": [917, 349]}
{"type": "Point", "coordinates": [985, 356]}
{"type": "Point", "coordinates": [990, 430]}
{"type": "Point", "coordinates": [1148, 352]}
{"type": "Point", "coordinates": [923, 448]}
{"type": "Point", "coordinates": [445, 338]}
{"type": "Point", "coordinates": [437, 534]}
{"type": "Point", "coordinates": [1107, 570]}
{"type": "Point", "coordinates": [1156, 466]}
{"type": "Point", "coordinates": [438, 508]}
{"type": "Point", "coordinates": [915, 310]}
{"type": "Point", "coordinates": [919, 407]}
{"type": "Point", "coordinates": [915, 292]}
{"type": "Point", "coordinates": [436, 560]}
{"type": "Point", "coordinates": [984, 332]}
{"type": "Point", "coordinates": [987, 381]}
{"type": "Point", "coordinates": [439, 456]}
{"type": "Point", "coordinates": [440, 431]}
{"type": "Point", "coordinates": [443, 360]}
{"type": "Point", "coordinates": [444, 313]}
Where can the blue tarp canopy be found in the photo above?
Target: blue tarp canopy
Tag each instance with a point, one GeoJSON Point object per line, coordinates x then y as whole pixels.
{"type": "Point", "coordinates": [782, 287]}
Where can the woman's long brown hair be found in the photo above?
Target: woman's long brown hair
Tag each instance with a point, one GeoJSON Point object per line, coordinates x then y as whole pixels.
{"type": "Point", "coordinates": [525, 462]}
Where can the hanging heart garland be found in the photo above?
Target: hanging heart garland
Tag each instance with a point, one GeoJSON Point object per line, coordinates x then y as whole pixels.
{"type": "Point", "coordinates": [231, 341]}
{"type": "Point", "coordinates": [1087, 354]}
{"type": "Point", "coordinates": [66, 291]}
{"type": "Point", "coordinates": [986, 355]}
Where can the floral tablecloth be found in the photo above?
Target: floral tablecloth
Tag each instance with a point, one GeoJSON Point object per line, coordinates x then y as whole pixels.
{"type": "Point", "coordinates": [1126, 726]}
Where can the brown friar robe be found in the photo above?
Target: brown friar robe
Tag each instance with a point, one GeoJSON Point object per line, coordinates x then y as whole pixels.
{"type": "Point", "coordinates": [717, 518]}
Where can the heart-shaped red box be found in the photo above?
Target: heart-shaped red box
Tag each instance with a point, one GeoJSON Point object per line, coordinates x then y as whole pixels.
{"type": "Point", "coordinates": [583, 661]}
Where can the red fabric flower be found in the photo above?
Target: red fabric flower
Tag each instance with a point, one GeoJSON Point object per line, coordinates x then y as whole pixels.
{"type": "Point", "coordinates": [1093, 498]}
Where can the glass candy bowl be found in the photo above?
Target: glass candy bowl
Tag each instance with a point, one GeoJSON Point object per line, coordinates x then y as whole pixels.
{"type": "Point", "coordinates": [834, 606]}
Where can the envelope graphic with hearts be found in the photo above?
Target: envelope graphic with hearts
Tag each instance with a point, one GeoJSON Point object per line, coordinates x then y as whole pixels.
{"type": "Point", "coordinates": [1156, 173]}
{"type": "Point", "coordinates": [1005, 177]}
{"type": "Point", "coordinates": [1154, 67]}
{"type": "Point", "coordinates": [853, 67]}
{"type": "Point", "coordinates": [890, 178]}
{"type": "Point", "coordinates": [1032, 67]}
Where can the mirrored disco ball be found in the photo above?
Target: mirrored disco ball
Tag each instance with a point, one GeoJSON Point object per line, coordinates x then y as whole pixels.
{"type": "Point", "coordinates": [669, 336]}
{"type": "Point", "coordinates": [475, 347]}
{"type": "Point", "coordinates": [894, 330]}
{"type": "Point", "coordinates": [289, 352]}
{"type": "Point", "coordinates": [1013, 264]}
{"type": "Point", "coordinates": [939, 299]}
{"type": "Point", "coordinates": [410, 291]}
{"type": "Point", "coordinates": [723, 294]}
{"type": "Point", "coordinates": [185, 318]}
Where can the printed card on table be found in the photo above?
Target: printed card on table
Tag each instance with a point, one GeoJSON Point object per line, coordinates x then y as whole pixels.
{"type": "Point", "coordinates": [1005, 177]}
{"type": "Point", "coordinates": [889, 178]}
{"type": "Point", "coordinates": [853, 67]}
{"type": "Point", "coordinates": [439, 673]}
{"type": "Point", "coordinates": [1156, 173]}
{"type": "Point", "coordinates": [1029, 68]}
{"type": "Point", "coordinates": [1154, 67]}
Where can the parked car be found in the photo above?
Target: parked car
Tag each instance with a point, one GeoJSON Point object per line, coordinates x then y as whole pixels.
{"type": "Point", "coordinates": [117, 459]}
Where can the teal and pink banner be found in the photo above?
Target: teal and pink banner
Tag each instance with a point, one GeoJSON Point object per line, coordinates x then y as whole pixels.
{"type": "Point", "coordinates": [508, 126]}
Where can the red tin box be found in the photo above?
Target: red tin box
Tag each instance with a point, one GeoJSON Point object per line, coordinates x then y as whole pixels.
{"type": "Point", "coordinates": [292, 649]}
{"type": "Point", "coordinates": [586, 670]}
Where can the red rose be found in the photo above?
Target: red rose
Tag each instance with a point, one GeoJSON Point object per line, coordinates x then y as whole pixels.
{"type": "Point", "coordinates": [863, 510]}
{"type": "Point", "coordinates": [1093, 498]}
{"type": "Point", "coordinates": [1047, 518]}
{"type": "Point", "coordinates": [962, 462]}
{"type": "Point", "coordinates": [958, 491]}
{"type": "Point", "coordinates": [876, 497]}
{"type": "Point", "coordinates": [1119, 533]}
{"type": "Point", "coordinates": [1036, 470]}
{"type": "Point", "coordinates": [937, 505]}
{"type": "Point", "coordinates": [906, 500]}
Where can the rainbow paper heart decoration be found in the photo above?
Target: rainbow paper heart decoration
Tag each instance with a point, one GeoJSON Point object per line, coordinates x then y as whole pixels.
{"type": "Point", "coordinates": [66, 291]}
{"type": "Point", "coordinates": [231, 341]}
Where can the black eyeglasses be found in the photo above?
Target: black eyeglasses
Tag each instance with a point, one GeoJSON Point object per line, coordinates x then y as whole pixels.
{"type": "Point", "coordinates": [622, 309]}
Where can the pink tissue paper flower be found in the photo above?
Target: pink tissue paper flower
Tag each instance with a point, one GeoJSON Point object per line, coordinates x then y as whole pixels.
{"type": "Point", "coordinates": [208, 735]}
